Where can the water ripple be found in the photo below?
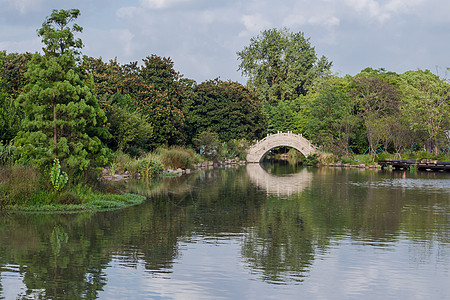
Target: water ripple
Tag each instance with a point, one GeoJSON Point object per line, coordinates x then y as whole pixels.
{"type": "Point", "coordinates": [408, 183]}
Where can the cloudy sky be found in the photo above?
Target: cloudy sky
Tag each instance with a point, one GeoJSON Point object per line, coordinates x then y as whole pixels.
{"type": "Point", "coordinates": [203, 36]}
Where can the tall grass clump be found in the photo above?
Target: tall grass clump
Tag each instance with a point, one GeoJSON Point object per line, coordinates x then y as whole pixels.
{"type": "Point", "coordinates": [325, 158]}
{"type": "Point", "coordinates": [121, 162]}
{"type": "Point", "coordinates": [149, 166]}
{"type": "Point", "coordinates": [177, 157]}
{"type": "Point", "coordinates": [18, 183]}
{"type": "Point", "coordinates": [6, 154]}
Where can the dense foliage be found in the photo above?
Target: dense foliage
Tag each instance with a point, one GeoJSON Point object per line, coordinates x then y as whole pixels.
{"type": "Point", "coordinates": [227, 108]}
{"type": "Point", "coordinates": [79, 110]}
{"type": "Point", "coordinates": [281, 65]}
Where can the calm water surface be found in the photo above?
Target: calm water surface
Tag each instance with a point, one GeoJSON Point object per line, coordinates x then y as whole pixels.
{"type": "Point", "coordinates": [277, 232]}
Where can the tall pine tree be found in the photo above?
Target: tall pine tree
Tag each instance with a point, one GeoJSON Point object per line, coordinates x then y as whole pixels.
{"type": "Point", "coordinates": [62, 116]}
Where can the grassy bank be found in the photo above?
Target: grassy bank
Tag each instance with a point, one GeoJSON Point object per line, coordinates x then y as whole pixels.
{"type": "Point", "coordinates": [93, 202]}
{"type": "Point", "coordinates": [24, 188]}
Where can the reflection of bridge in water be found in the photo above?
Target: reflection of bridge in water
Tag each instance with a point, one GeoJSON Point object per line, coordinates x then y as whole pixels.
{"type": "Point", "coordinates": [279, 185]}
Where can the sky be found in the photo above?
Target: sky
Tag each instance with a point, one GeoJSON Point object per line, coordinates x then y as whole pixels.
{"type": "Point", "coordinates": [203, 36]}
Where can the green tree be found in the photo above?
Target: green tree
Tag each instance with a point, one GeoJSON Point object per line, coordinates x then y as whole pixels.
{"type": "Point", "coordinates": [12, 69]}
{"type": "Point", "coordinates": [227, 108]}
{"type": "Point", "coordinates": [62, 116]}
{"type": "Point", "coordinates": [58, 36]}
{"type": "Point", "coordinates": [376, 101]}
{"type": "Point", "coordinates": [208, 144]}
{"type": "Point", "coordinates": [130, 130]}
{"type": "Point", "coordinates": [281, 65]}
{"type": "Point", "coordinates": [428, 105]}
{"type": "Point", "coordinates": [160, 98]}
{"type": "Point", "coordinates": [287, 115]}
{"type": "Point", "coordinates": [332, 120]}
{"type": "Point", "coordinates": [9, 117]}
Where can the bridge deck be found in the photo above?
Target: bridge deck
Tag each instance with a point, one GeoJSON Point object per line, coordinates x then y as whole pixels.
{"type": "Point", "coordinates": [402, 164]}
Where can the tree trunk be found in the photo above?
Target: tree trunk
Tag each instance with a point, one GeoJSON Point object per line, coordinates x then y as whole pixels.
{"type": "Point", "coordinates": [54, 125]}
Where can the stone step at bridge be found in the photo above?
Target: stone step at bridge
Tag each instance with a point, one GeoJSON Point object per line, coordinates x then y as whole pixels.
{"type": "Point", "coordinates": [256, 152]}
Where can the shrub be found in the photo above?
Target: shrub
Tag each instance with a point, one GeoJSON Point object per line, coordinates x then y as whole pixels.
{"type": "Point", "coordinates": [312, 160]}
{"type": "Point", "coordinates": [19, 183]}
{"type": "Point", "coordinates": [385, 155]}
{"type": "Point", "coordinates": [424, 155]}
{"type": "Point", "coordinates": [6, 154]}
{"type": "Point", "coordinates": [442, 156]}
{"type": "Point", "coordinates": [149, 166]}
{"type": "Point", "coordinates": [69, 198]}
{"type": "Point", "coordinates": [294, 155]}
{"type": "Point", "coordinates": [237, 148]}
{"type": "Point", "coordinates": [121, 161]}
{"type": "Point", "coordinates": [326, 158]}
{"type": "Point", "coordinates": [209, 145]}
{"type": "Point", "coordinates": [177, 157]}
{"type": "Point", "coordinates": [58, 178]}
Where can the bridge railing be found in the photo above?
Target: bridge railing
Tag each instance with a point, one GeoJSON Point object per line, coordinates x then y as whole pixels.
{"type": "Point", "coordinates": [279, 133]}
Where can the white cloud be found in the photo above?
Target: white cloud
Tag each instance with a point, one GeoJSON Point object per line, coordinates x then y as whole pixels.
{"type": "Point", "coordinates": [319, 20]}
{"type": "Point", "coordinates": [32, 45]}
{"type": "Point", "coordinates": [23, 6]}
{"type": "Point", "coordinates": [383, 12]}
{"type": "Point", "coordinates": [203, 36]}
{"type": "Point", "coordinates": [294, 20]}
{"type": "Point", "coordinates": [402, 6]}
{"type": "Point", "coordinates": [253, 24]}
{"type": "Point", "coordinates": [160, 4]}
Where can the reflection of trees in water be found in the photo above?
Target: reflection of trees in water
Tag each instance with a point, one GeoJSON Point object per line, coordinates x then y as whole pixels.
{"type": "Point", "coordinates": [63, 256]}
{"type": "Point", "coordinates": [282, 235]}
{"type": "Point", "coordinates": [281, 244]}
{"type": "Point", "coordinates": [50, 255]}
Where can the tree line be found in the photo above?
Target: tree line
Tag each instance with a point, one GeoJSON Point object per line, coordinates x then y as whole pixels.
{"type": "Point", "coordinates": [80, 109]}
{"type": "Point", "coordinates": [373, 111]}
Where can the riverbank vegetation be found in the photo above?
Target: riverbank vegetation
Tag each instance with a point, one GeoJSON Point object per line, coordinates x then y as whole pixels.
{"type": "Point", "coordinates": [144, 117]}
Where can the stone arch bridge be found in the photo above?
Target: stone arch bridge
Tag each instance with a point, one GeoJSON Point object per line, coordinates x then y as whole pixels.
{"type": "Point", "coordinates": [256, 153]}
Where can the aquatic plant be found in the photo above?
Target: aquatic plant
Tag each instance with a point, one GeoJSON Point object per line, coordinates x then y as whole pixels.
{"type": "Point", "coordinates": [58, 177]}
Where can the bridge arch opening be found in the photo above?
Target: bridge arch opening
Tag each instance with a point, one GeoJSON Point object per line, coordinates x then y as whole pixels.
{"type": "Point", "coordinates": [259, 150]}
{"type": "Point", "coordinates": [284, 153]}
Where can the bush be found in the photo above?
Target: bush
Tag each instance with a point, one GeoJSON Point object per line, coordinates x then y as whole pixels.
{"type": "Point", "coordinates": [177, 157]}
{"type": "Point", "coordinates": [209, 145]}
{"type": "Point", "coordinates": [58, 178]}
{"type": "Point", "coordinates": [384, 156]}
{"type": "Point", "coordinates": [366, 159]}
{"type": "Point", "coordinates": [326, 158]}
{"type": "Point", "coordinates": [442, 156]}
{"type": "Point", "coordinates": [18, 183]}
{"type": "Point", "coordinates": [237, 148]}
{"type": "Point", "coordinates": [424, 155]}
{"type": "Point", "coordinates": [312, 160]}
{"type": "Point", "coordinates": [69, 198]}
{"type": "Point", "coordinates": [121, 161]}
{"type": "Point", "coordinates": [6, 154]}
{"type": "Point", "coordinates": [149, 166]}
{"type": "Point", "coordinates": [294, 156]}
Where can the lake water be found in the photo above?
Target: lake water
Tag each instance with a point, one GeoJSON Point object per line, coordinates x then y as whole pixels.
{"type": "Point", "coordinates": [278, 232]}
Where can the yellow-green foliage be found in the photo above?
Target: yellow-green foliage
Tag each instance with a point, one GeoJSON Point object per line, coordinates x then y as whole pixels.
{"type": "Point", "coordinates": [121, 162]}
{"type": "Point", "coordinates": [177, 157]}
{"type": "Point", "coordinates": [149, 166]}
{"type": "Point", "coordinates": [326, 158]}
{"type": "Point", "coordinates": [18, 183]}
{"type": "Point", "coordinates": [294, 155]}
